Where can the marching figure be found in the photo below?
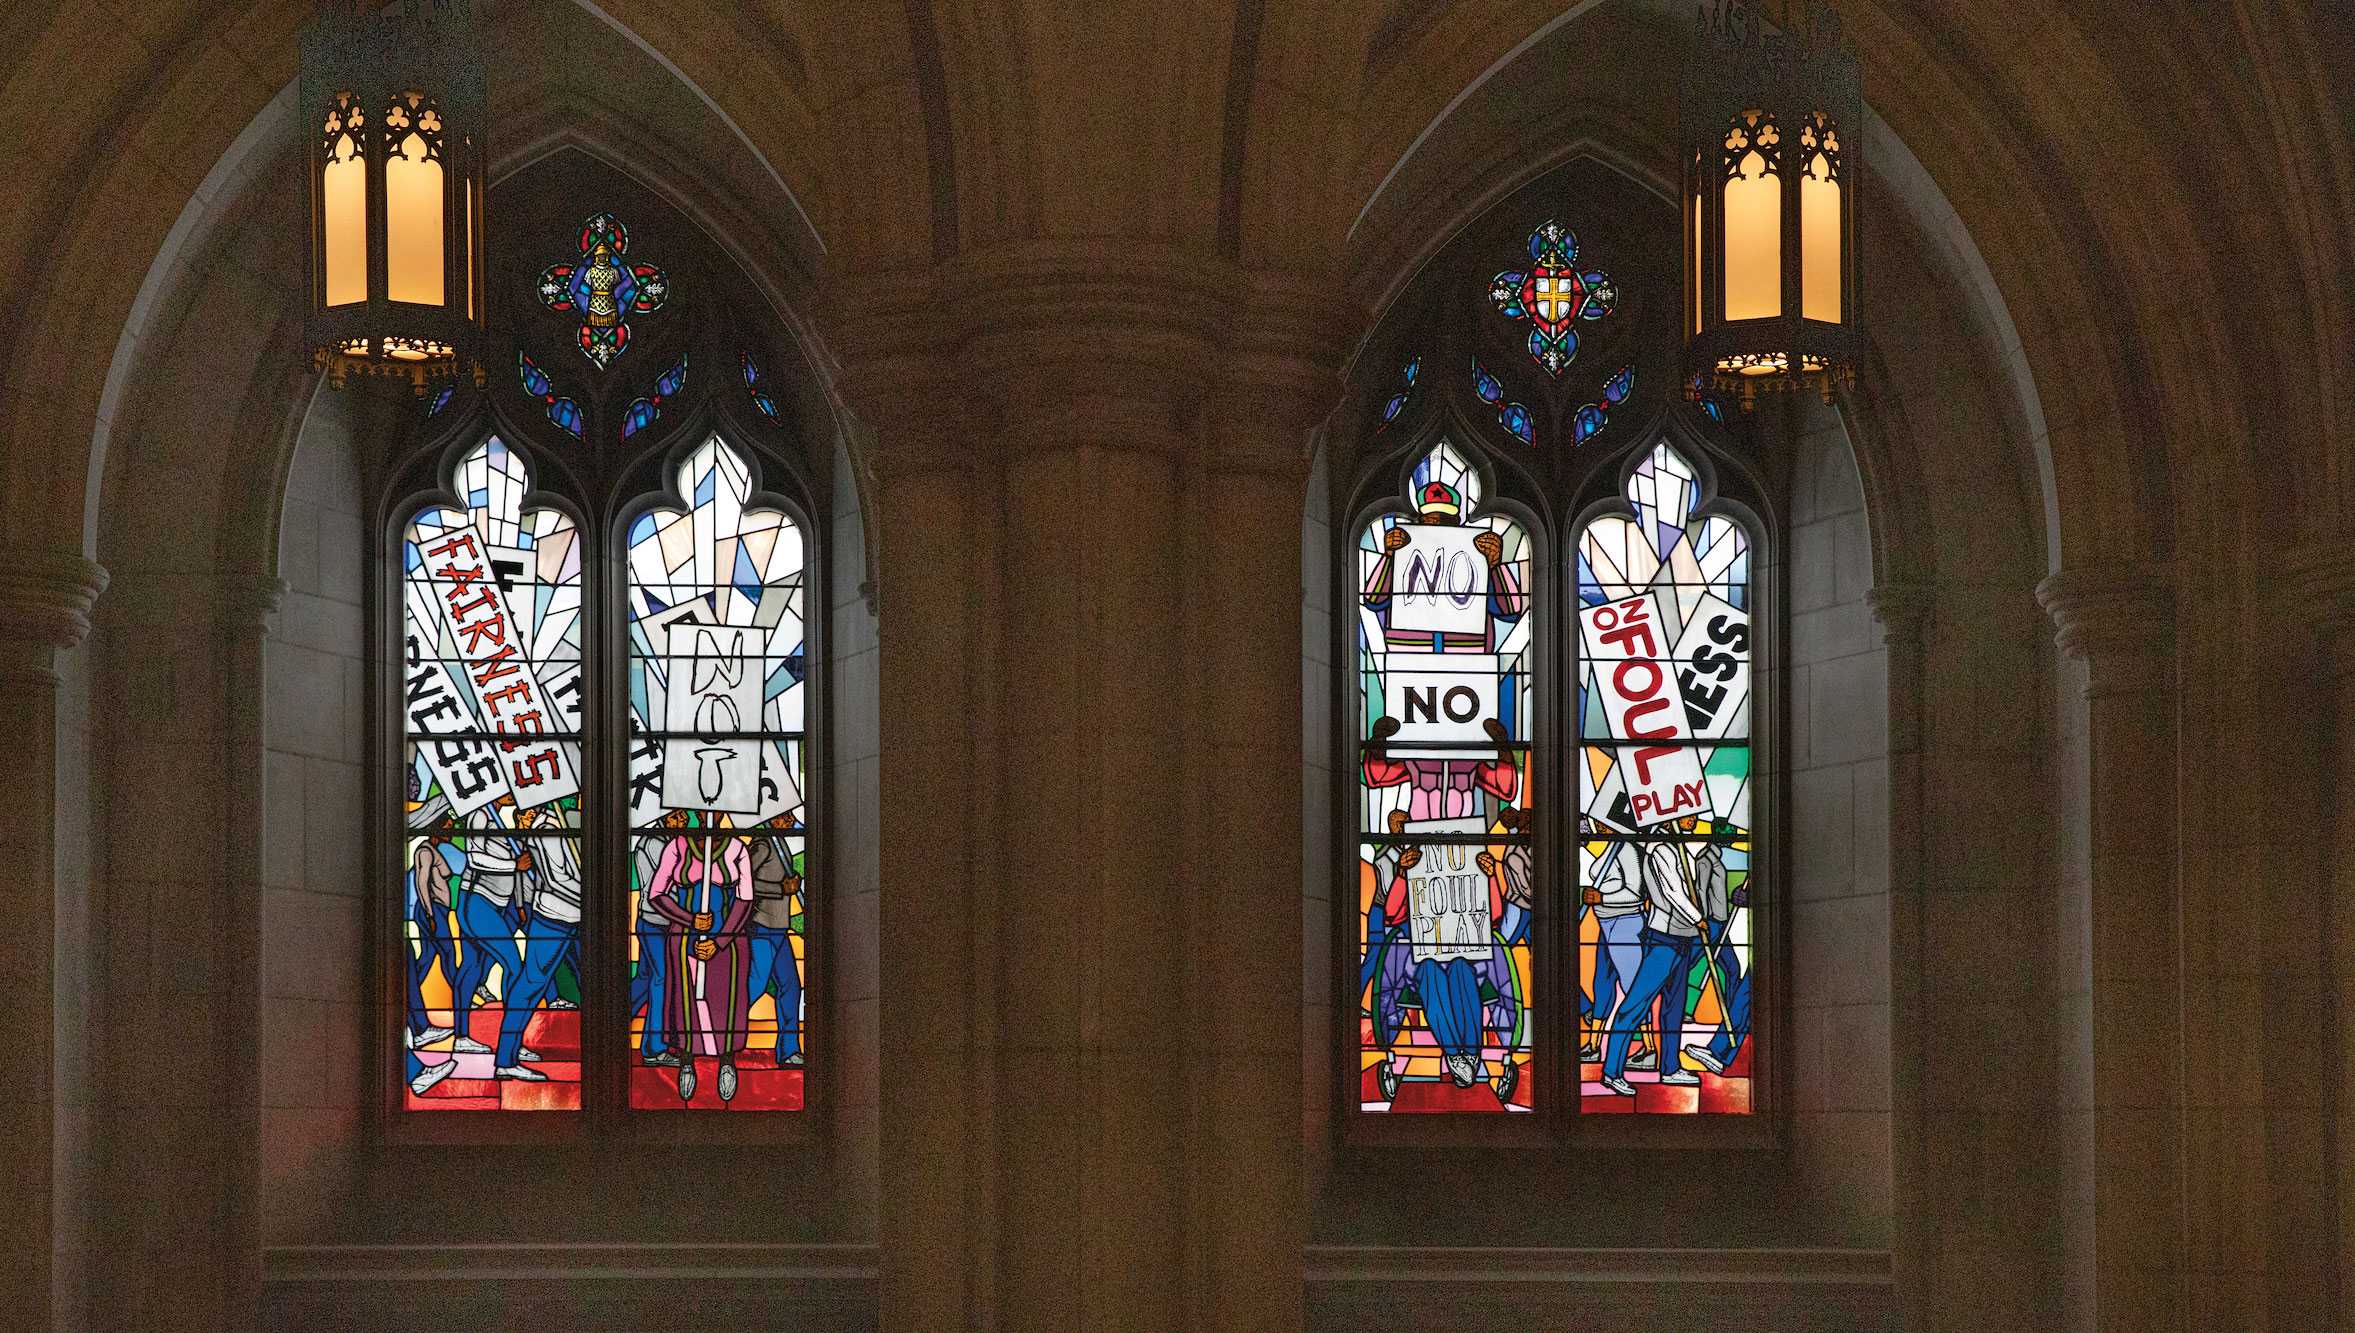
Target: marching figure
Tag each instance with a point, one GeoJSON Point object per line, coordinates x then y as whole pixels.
{"type": "Point", "coordinates": [549, 934]}
{"type": "Point", "coordinates": [1461, 998]}
{"type": "Point", "coordinates": [774, 887]}
{"type": "Point", "coordinates": [1725, 959]}
{"type": "Point", "coordinates": [490, 903]}
{"type": "Point", "coordinates": [431, 863]}
{"type": "Point", "coordinates": [706, 896]}
{"type": "Point", "coordinates": [1671, 938]}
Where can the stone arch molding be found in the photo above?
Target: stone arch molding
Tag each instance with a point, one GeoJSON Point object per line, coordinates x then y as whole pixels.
{"type": "Point", "coordinates": [187, 473]}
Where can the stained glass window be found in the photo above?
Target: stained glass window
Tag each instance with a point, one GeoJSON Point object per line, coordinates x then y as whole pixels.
{"type": "Point", "coordinates": [1548, 866]}
{"type": "Point", "coordinates": [1406, 391]}
{"type": "Point", "coordinates": [716, 604]}
{"type": "Point", "coordinates": [760, 396]}
{"type": "Point", "coordinates": [1444, 883]}
{"type": "Point", "coordinates": [492, 854]}
{"type": "Point", "coordinates": [1665, 840]}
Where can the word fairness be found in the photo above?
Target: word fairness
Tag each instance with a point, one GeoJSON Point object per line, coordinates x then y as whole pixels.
{"type": "Point", "coordinates": [507, 694]}
{"type": "Point", "coordinates": [1643, 702]}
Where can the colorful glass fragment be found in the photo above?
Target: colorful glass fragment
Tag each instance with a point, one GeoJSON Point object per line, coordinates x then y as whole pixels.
{"type": "Point", "coordinates": [563, 411]}
{"type": "Point", "coordinates": [1513, 416]}
{"type": "Point", "coordinates": [1406, 389]}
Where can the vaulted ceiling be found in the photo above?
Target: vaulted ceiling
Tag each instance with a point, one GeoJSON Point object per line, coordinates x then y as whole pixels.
{"type": "Point", "coordinates": [2159, 188]}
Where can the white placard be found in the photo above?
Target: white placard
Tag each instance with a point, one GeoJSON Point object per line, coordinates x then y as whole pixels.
{"type": "Point", "coordinates": [1438, 582]}
{"type": "Point", "coordinates": [1447, 894]}
{"type": "Point", "coordinates": [508, 695]}
{"type": "Point", "coordinates": [1439, 698]}
{"type": "Point", "coordinates": [712, 678]}
{"type": "Point", "coordinates": [1634, 680]}
{"type": "Point", "coordinates": [1713, 669]}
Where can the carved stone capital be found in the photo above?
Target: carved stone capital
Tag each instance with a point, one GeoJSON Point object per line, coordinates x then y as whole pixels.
{"type": "Point", "coordinates": [2106, 609]}
{"type": "Point", "coordinates": [1903, 608]}
{"type": "Point", "coordinates": [2118, 619]}
{"type": "Point", "coordinates": [46, 596]}
{"type": "Point", "coordinates": [248, 601]}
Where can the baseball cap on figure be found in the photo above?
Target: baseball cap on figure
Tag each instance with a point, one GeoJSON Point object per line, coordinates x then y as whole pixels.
{"type": "Point", "coordinates": [1439, 498]}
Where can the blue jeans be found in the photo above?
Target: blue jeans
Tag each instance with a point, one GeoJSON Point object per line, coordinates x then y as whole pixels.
{"type": "Point", "coordinates": [544, 946]}
{"type": "Point", "coordinates": [1663, 975]}
{"type": "Point", "coordinates": [1376, 929]}
{"type": "Point", "coordinates": [433, 938]}
{"type": "Point", "coordinates": [1617, 956]}
{"type": "Point", "coordinates": [486, 930]}
{"type": "Point", "coordinates": [1515, 927]}
{"type": "Point", "coordinates": [1736, 983]}
{"type": "Point", "coordinates": [649, 988]}
{"type": "Point", "coordinates": [772, 956]}
{"type": "Point", "coordinates": [1450, 991]}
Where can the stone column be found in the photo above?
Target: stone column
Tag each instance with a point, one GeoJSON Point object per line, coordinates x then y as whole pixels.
{"type": "Point", "coordinates": [2121, 1130]}
{"type": "Point", "coordinates": [1904, 611]}
{"type": "Point", "coordinates": [2326, 582]}
{"type": "Point", "coordinates": [1247, 924]}
{"type": "Point", "coordinates": [1089, 614]}
{"type": "Point", "coordinates": [45, 601]}
{"type": "Point", "coordinates": [932, 533]}
{"type": "Point", "coordinates": [247, 604]}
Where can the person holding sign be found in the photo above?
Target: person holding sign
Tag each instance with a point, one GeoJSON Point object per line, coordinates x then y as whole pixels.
{"type": "Point", "coordinates": [1439, 950]}
{"type": "Point", "coordinates": [1444, 601]}
{"type": "Point", "coordinates": [490, 916]}
{"type": "Point", "coordinates": [1453, 591]}
{"type": "Point", "coordinates": [705, 893]}
{"type": "Point", "coordinates": [1671, 937]}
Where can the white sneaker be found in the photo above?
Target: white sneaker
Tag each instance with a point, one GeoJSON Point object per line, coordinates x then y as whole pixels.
{"type": "Point", "coordinates": [418, 1041]}
{"type": "Point", "coordinates": [687, 1081]}
{"type": "Point", "coordinates": [469, 1046]}
{"type": "Point", "coordinates": [431, 1075]}
{"type": "Point", "coordinates": [727, 1083]}
{"type": "Point", "coordinates": [520, 1074]}
{"type": "Point", "coordinates": [1464, 1069]}
{"type": "Point", "coordinates": [1702, 1057]}
{"type": "Point", "coordinates": [1682, 1078]}
{"type": "Point", "coordinates": [1619, 1085]}
{"type": "Point", "coordinates": [527, 1053]}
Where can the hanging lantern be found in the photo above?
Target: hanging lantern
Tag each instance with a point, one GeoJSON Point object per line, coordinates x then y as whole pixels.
{"type": "Point", "coordinates": [392, 113]}
{"type": "Point", "coordinates": [1770, 129]}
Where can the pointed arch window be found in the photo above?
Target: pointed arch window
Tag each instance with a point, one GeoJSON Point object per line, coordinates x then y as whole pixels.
{"type": "Point", "coordinates": [1552, 891]}
{"type": "Point", "coordinates": [595, 733]}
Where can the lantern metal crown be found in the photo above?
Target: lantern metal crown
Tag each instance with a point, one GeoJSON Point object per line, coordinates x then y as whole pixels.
{"type": "Point", "coordinates": [392, 112]}
{"type": "Point", "coordinates": [1770, 127]}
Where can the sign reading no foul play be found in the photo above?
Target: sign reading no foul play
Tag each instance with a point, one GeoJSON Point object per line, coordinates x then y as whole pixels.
{"type": "Point", "coordinates": [1627, 658]}
{"type": "Point", "coordinates": [1447, 894]}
